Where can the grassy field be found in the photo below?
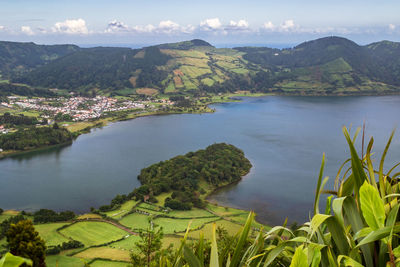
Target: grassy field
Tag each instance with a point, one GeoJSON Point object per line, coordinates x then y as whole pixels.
{"type": "Point", "coordinates": [172, 225]}
{"type": "Point", "coordinates": [225, 211]}
{"type": "Point", "coordinates": [194, 213]}
{"type": "Point", "coordinates": [135, 221]}
{"type": "Point", "coordinates": [93, 233]}
{"type": "Point", "coordinates": [231, 227]}
{"type": "Point", "coordinates": [104, 253]}
{"type": "Point", "coordinates": [63, 261]}
{"type": "Point", "coordinates": [147, 91]}
{"type": "Point", "coordinates": [161, 198]}
{"type": "Point", "coordinates": [125, 244]}
{"type": "Point", "coordinates": [105, 263]}
{"type": "Point", "coordinates": [123, 210]}
{"type": "Point", "coordinates": [50, 235]}
{"type": "Point", "coordinates": [89, 216]}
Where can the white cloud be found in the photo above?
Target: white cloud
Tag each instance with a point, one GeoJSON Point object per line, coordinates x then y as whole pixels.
{"type": "Point", "coordinates": [268, 25]}
{"type": "Point", "coordinates": [2, 27]}
{"type": "Point", "coordinates": [116, 26]}
{"type": "Point", "coordinates": [392, 27]}
{"type": "Point", "coordinates": [168, 27]}
{"type": "Point", "coordinates": [241, 25]}
{"type": "Point", "coordinates": [27, 30]}
{"type": "Point", "coordinates": [287, 25]}
{"type": "Point", "coordinates": [211, 24]}
{"type": "Point", "coordinates": [71, 26]}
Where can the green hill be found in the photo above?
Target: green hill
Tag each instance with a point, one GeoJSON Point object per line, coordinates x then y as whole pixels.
{"type": "Point", "coordinates": [331, 65]}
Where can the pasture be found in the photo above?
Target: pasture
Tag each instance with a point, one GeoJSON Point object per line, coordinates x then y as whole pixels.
{"type": "Point", "coordinates": [93, 233]}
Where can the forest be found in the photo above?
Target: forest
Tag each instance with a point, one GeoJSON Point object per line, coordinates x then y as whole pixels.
{"type": "Point", "coordinates": [217, 165]}
{"type": "Point", "coordinates": [35, 137]}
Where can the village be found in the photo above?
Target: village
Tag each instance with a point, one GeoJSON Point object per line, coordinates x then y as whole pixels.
{"type": "Point", "coordinates": [79, 108]}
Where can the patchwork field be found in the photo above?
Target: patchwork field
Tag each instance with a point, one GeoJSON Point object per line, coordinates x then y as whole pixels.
{"type": "Point", "coordinates": [50, 235]}
{"type": "Point", "coordinates": [104, 253]}
{"type": "Point", "coordinates": [93, 233]}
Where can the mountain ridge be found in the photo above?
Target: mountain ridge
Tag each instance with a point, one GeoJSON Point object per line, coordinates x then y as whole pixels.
{"type": "Point", "coordinates": [329, 65]}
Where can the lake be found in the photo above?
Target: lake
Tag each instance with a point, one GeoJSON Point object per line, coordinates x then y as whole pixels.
{"type": "Point", "coordinates": [284, 138]}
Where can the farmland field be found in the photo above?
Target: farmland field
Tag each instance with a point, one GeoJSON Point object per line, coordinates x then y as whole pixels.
{"type": "Point", "coordinates": [63, 261]}
{"type": "Point", "coordinates": [171, 225]}
{"type": "Point", "coordinates": [125, 244]}
{"type": "Point", "coordinates": [104, 253]}
{"type": "Point", "coordinates": [50, 235]}
{"type": "Point", "coordinates": [93, 233]}
{"type": "Point", "coordinates": [124, 209]}
{"type": "Point", "coordinates": [105, 263]}
{"type": "Point", "coordinates": [136, 221]}
{"type": "Point", "coordinates": [193, 213]}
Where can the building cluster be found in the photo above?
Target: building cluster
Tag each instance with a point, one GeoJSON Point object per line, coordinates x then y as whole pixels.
{"type": "Point", "coordinates": [79, 108]}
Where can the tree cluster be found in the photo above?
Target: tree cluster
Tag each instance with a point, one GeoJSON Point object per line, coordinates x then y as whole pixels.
{"type": "Point", "coordinates": [217, 164]}
{"type": "Point", "coordinates": [9, 119]}
{"type": "Point", "coordinates": [64, 246]}
{"type": "Point", "coordinates": [46, 216]}
{"type": "Point", "coordinates": [35, 137]}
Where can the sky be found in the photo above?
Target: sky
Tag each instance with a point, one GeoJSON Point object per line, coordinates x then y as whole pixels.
{"type": "Point", "coordinates": [220, 22]}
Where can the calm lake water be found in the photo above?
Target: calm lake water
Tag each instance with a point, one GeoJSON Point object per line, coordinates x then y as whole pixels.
{"type": "Point", "coordinates": [284, 137]}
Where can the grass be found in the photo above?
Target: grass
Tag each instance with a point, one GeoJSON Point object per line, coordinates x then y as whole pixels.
{"type": "Point", "coordinates": [50, 235]}
{"type": "Point", "coordinates": [126, 244]}
{"type": "Point", "coordinates": [172, 225]}
{"type": "Point", "coordinates": [93, 233]}
{"type": "Point", "coordinates": [193, 213]}
{"type": "Point", "coordinates": [123, 210]}
{"type": "Point", "coordinates": [170, 88]}
{"type": "Point", "coordinates": [135, 221]}
{"type": "Point", "coordinates": [89, 216]}
{"type": "Point", "coordinates": [161, 198]}
{"type": "Point", "coordinates": [194, 72]}
{"type": "Point", "coordinates": [231, 227]}
{"type": "Point", "coordinates": [105, 263]}
{"type": "Point", "coordinates": [225, 211]}
{"type": "Point", "coordinates": [104, 253]}
{"type": "Point", "coordinates": [147, 91]}
{"type": "Point", "coordinates": [63, 261]}
{"type": "Point", "coordinates": [208, 81]}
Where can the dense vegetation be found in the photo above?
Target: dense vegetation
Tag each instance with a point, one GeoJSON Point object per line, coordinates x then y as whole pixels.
{"type": "Point", "coordinates": [101, 68]}
{"type": "Point", "coordinates": [9, 119]}
{"type": "Point", "coordinates": [35, 137]}
{"type": "Point", "coordinates": [331, 65]}
{"type": "Point", "coordinates": [18, 58]}
{"type": "Point", "coordinates": [46, 216]}
{"type": "Point", "coordinates": [218, 164]}
{"type": "Point", "coordinates": [7, 89]}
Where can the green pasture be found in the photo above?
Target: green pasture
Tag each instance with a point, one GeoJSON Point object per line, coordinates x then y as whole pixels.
{"type": "Point", "coordinates": [123, 210]}
{"type": "Point", "coordinates": [172, 225]}
{"type": "Point", "coordinates": [105, 263]}
{"type": "Point", "coordinates": [135, 221]}
{"type": "Point", "coordinates": [93, 233]}
{"type": "Point", "coordinates": [50, 235]}
{"type": "Point", "coordinates": [63, 261]}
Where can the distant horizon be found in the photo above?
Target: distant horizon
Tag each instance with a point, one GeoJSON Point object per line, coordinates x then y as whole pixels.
{"type": "Point", "coordinates": [276, 45]}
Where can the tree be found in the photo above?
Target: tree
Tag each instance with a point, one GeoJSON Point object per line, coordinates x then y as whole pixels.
{"type": "Point", "coordinates": [24, 241]}
{"type": "Point", "coordinates": [149, 243]}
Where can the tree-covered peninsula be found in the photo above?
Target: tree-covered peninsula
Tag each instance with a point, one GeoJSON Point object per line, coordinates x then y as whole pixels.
{"type": "Point", "coordinates": [35, 137]}
{"type": "Point", "coordinates": [188, 177]}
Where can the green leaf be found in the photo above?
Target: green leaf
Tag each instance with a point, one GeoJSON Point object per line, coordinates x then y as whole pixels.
{"type": "Point", "coordinates": [396, 252]}
{"type": "Point", "coordinates": [378, 234]}
{"type": "Point", "coordinates": [357, 168]}
{"type": "Point", "coordinates": [191, 259]}
{"type": "Point", "coordinates": [214, 250]}
{"type": "Point", "coordinates": [299, 258]}
{"type": "Point", "coordinates": [9, 260]}
{"type": "Point", "coordinates": [372, 206]}
{"type": "Point", "coordinates": [348, 262]}
{"type": "Point", "coordinates": [242, 240]}
{"type": "Point", "coordinates": [318, 189]}
{"type": "Point", "coordinates": [317, 220]}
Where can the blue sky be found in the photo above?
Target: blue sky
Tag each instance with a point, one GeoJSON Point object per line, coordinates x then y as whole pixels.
{"type": "Point", "coordinates": [219, 22]}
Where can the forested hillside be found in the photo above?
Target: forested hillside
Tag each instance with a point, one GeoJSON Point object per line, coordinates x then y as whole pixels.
{"type": "Point", "coordinates": [326, 66]}
{"type": "Point", "coordinates": [217, 165]}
